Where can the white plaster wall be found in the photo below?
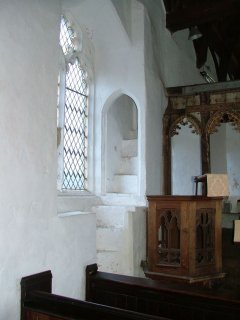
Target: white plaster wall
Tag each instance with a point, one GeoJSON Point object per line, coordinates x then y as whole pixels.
{"type": "Point", "coordinates": [185, 154]}
{"type": "Point", "coordinates": [124, 13]}
{"type": "Point", "coordinates": [225, 155]}
{"type": "Point", "coordinates": [32, 237]}
{"type": "Point", "coordinates": [218, 150]}
{"type": "Point", "coordinates": [156, 104]}
{"type": "Point", "coordinates": [119, 69]}
{"type": "Point", "coordinates": [119, 66]}
{"type": "Point", "coordinates": [134, 54]}
{"type": "Point", "coordinates": [233, 156]}
{"type": "Point", "coordinates": [138, 234]}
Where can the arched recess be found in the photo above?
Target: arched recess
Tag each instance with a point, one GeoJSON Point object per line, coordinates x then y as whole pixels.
{"type": "Point", "coordinates": [172, 127]}
{"type": "Point", "coordinates": [185, 120]}
{"type": "Point", "coordinates": [214, 122]}
{"type": "Point", "coordinates": [120, 145]}
{"type": "Point", "coordinates": [185, 145]}
{"type": "Point", "coordinates": [222, 117]}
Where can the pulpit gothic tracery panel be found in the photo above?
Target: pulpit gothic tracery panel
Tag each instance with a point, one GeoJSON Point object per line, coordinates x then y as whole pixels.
{"type": "Point", "coordinates": [169, 236]}
{"type": "Point", "coordinates": [205, 221]}
{"type": "Point", "coordinates": [184, 238]}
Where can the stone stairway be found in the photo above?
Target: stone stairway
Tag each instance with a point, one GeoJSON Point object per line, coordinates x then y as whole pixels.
{"type": "Point", "coordinates": [125, 180]}
{"type": "Point", "coordinates": [120, 238]}
{"type": "Point", "coordinates": [119, 220]}
{"type": "Point", "coordinates": [111, 237]}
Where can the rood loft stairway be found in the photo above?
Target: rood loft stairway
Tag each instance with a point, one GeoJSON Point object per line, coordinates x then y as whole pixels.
{"type": "Point", "coordinates": [115, 217]}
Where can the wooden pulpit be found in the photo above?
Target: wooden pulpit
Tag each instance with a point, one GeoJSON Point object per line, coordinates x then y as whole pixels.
{"type": "Point", "coordinates": [184, 238]}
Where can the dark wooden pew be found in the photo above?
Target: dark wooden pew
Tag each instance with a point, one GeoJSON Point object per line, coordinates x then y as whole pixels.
{"type": "Point", "coordinates": [175, 301]}
{"type": "Point", "coordinates": [38, 303]}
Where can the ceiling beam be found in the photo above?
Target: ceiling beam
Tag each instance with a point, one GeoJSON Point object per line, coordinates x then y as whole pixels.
{"type": "Point", "coordinates": [201, 14]}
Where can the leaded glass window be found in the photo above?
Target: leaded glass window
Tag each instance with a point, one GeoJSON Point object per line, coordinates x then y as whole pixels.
{"type": "Point", "coordinates": [75, 128]}
{"type": "Point", "coordinates": [66, 36]}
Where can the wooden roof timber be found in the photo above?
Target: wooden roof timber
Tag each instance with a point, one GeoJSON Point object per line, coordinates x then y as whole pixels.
{"type": "Point", "coordinates": [219, 23]}
{"type": "Point", "coordinates": [201, 14]}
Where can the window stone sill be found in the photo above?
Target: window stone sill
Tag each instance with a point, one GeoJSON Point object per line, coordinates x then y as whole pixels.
{"type": "Point", "coordinates": [73, 213]}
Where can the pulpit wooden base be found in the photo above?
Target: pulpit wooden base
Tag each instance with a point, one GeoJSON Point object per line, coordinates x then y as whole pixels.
{"type": "Point", "coordinates": [209, 281]}
{"type": "Point", "coordinates": [184, 239]}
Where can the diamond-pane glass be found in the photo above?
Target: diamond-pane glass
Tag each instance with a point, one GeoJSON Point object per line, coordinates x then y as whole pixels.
{"type": "Point", "coordinates": [75, 129]}
{"type": "Point", "coordinates": [66, 36]}
{"type": "Point", "coordinates": [75, 79]}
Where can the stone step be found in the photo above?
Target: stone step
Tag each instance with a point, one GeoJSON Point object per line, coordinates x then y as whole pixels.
{"type": "Point", "coordinates": [111, 216]}
{"type": "Point", "coordinates": [109, 238]}
{"type": "Point", "coordinates": [124, 184]}
{"type": "Point", "coordinates": [129, 148]}
{"type": "Point", "coordinates": [110, 261]}
{"type": "Point", "coordinates": [128, 165]}
{"type": "Point", "coordinates": [131, 135]}
{"type": "Point", "coordinates": [114, 198]}
{"type": "Point", "coordinates": [120, 248]}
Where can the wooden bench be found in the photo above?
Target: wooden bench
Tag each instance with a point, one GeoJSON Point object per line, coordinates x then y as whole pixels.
{"type": "Point", "coordinates": [38, 303]}
{"type": "Point", "coordinates": [166, 299]}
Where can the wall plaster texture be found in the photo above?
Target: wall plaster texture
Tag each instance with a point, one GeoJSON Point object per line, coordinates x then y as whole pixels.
{"type": "Point", "coordinates": [33, 237]}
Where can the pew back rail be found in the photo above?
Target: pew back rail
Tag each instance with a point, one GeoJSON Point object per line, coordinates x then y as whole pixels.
{"type": "Point", "coordinates": [171, 300]}
{"type": "Point", "coordinates": [38, 303]}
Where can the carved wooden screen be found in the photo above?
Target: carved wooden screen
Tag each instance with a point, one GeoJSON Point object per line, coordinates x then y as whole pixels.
{"type": "Point", "coordinates": [204, 109]}
{"type": "Point", "coordinates": [169, 236]}
{"type": "Point", "coordinates": [205, 244]}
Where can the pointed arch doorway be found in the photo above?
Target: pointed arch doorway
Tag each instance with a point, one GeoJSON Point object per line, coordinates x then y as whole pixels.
{"type": "Point", "coordinates": [121, 161]}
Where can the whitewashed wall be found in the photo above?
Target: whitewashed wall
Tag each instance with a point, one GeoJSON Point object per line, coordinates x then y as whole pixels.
{"type": "Point", "coordinates": [135, 55]}
{"type": "Point", "coordinates": [233, 156]}
{"type": "Point", "coordinates": [225, 154]}
{"type": "Point", "coordinates": [155, 106]}
{"type": "Point", "coordinates": [119, 66]}
{"type": "Point", "coordinates": [185, 154]}
{"type": "Point", "coordinates": [218, 156]}
{"type": "Point", "coordinates": [32, 237]}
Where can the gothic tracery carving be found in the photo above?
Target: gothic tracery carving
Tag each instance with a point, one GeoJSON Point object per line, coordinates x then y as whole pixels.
{"type": "Point", "coordinates": [169, 236]}
{"type": "Point", "coordinates": [205, 236]}
{"type": "Point", "coordinates": [220, 117]}
{"type": "Point", "coordinates": [189, 120]}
